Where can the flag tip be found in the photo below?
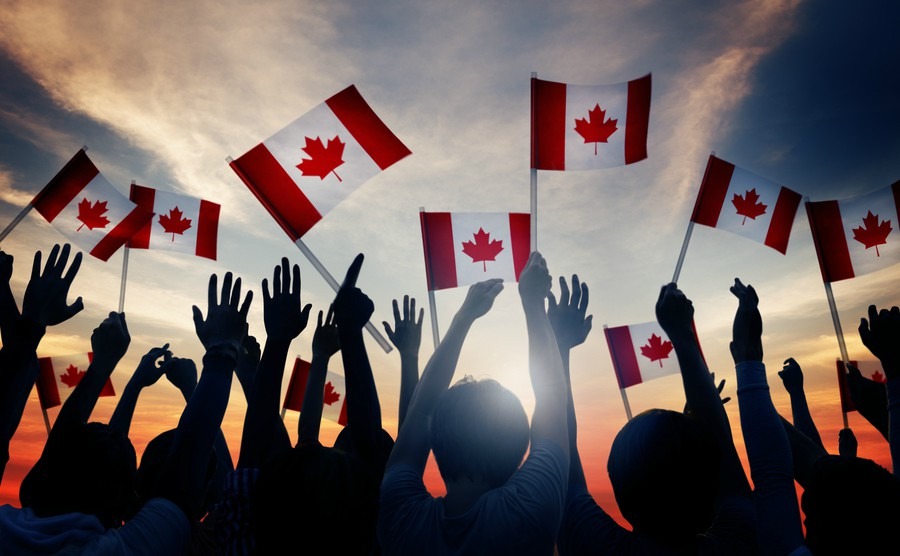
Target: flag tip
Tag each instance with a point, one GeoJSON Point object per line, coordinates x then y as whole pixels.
{"type": "Point", "coordinates": [229, 160]}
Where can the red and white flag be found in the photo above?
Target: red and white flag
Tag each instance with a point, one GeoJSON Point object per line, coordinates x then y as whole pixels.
{"type": "Point", "coordinates": [463, 248]}
{"type": "Point", "coordinates": [640, 352]}
{"type": "Point", "coordinates": [870, 370]}
{"type": "Point", "coordinates": [87, 209]}
{"type": "Point", "coordinates": [858, 235]}
{"type": "Point", "coordinates": [738, 201]}
{"type": "Point", "coordinates": [60, 374]}
{"type": "Point", "coordinates": [307, 168]}
{"type": "Point", "coordinates": [587, 127]}
{"type": "Point", "coordinates": [334, 400]}
{"type": "Point", "coordinates": [181, 223]}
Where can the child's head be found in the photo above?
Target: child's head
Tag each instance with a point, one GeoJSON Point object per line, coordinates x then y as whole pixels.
{"type": "Point", "coordinates": [479, 431]}
{"type": "Point", "coordinates": [664, 468]}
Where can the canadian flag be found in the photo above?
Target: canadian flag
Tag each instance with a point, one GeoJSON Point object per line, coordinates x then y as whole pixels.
{"type": "Point", "coordinates": [87, 209]}
{"type": "Point", "coordinates": [181, 223]}
{"type": "Point", "coordinates": [858, 235]}
{"type": "Point", "coordinates": [463, 248]}
{"type": "Point", "coordinates": [870, 370]}
{"type": "Point", "coordinates": [746, 204]}
{"type": "Point", "coordinates": [59, 375]}
{"type": "Point", "coordinates": [307, 168]}
{"type": "Point", "coordinates": [640, 352]}
{"type": "Point", "coordinates": [586, 127]}
{"type": "Point", "coordinates": [334, 400]}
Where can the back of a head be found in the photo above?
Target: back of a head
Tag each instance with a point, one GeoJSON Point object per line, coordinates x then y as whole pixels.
{"type": "Point", "coordinates": [851, 506]}
{"type": "Point", "coordinates": [664, 468]}
{"type": "Point", "coordinates": [479, 431]}
{"type": "Point", "coordinates": [317, 495]}
{"type": "Point", "coordinates": [87, 468]}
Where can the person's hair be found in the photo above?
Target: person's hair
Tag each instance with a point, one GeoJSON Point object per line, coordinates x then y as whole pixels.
{"type": "Point", "coordinates": [479, 431]}
{"type": "Point", "coordinates": [664, 467]}
{"type": "Point", "coordinates": [318, 496]}
{"type": "Point", "coordinates": [87, 468]}
{"type": "Point", "coordinates": [851, 506]}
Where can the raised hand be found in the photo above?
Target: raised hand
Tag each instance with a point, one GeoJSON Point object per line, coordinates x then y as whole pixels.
{"type": "Point", "coordinates": [570, 323]}
{"type": "Point", "coordinates": [182, 373]}
{"type": "Point", "coordinates": [284, 315]}
{"type": "Point", "coordinates": [352, 308]}
{"type": "Point", "coordinates": [792, 376]}
{"type": "Point", "coordinates": [150, 368]}
{"type": "Point", "coordinates": [534, 281]}
{"type": "Point", "coordinates": [247, 363]}
{"type": "Point", "coordinates": [480, 298]}
{"type": "Point", "coordinates": [9, 310]}
{"type": "Point", "coordinates": [226, 320]}
{"type": "Point", "coordinates": [110, 340]}
{"type": "Point", "coordinates": [45, 302]}
{"type": "Point", "coordinates": [326, 340]}
{"type": "Point", "coordinates": [674, 311]}
{"type": "Point", "coordinates": [847, 443]}
{"type": "Point", "coordinates": [881, 334]}
{"type": "Point", "coordinates": [406, 335]}
{"type": "Point", "coordinates": [746, 344]}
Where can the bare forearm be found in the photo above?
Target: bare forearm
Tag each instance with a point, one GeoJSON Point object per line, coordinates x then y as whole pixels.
{"type": "Point", "coordinates": [547, 377]}
{"type": "Point", "coordinates": [313, 398]}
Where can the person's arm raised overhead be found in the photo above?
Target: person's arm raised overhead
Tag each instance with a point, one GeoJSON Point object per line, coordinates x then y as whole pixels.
{"type": "Point", "coordinates": [792, 377]}
{"type": "Point", "coordinates": [326, 342]}
{"type": "Point", "coordinates": [406, 335]}
{"type": "Point", "coordinates": [881, 335]}
{"type": "Point", "coordinates": [148, 371]}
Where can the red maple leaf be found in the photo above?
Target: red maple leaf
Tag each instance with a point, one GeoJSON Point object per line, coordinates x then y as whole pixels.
{"type": "Point", "coordinates": [330, 395]}
{"type": "Point", "coordinates": [91, 215]}
{"type": "Point", "coordinates": [656, 349]}
{"type": "Point", "coordinates": [483, 249]}
{"type": "Point", "coordinates": [878, 377]}
{"type": "Point", "coordinates": [748, 205]}
{"type": "Point", "coordinates": [594, 129]}
{"type": "Point", "coordinates": [322, 160]}
{"type": "Point", "coordinates": [72, 376]}
{"type": "Point", "coordinates": [871, 233]}
{"type": "Point", "coordinates": [174, 222]}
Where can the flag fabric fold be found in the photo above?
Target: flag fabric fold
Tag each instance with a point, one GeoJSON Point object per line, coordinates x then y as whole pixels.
{"type": "Point", "coordinates": [85, 207]}
{"type": "Point", "coordinates": [334, 401]}
{"type": "Point", "coordinates": [743, 203]}
{"type": "Point", "coordinates": [60, 374]}
{"type": "Point", "coordinates": [181, 223]}
{"type": "Point", "coordinates": [857, 235]}
{"type": "Point", "coordinates": [640, 352]}
{"type": "Point", "coordinates": [870, 370]}
{"type": "Point", "coordinates": [586, 127]}
{"type": "Point", "coordinates": [463, 248]}
{"type": "Point", "coordinates": [304, 170]}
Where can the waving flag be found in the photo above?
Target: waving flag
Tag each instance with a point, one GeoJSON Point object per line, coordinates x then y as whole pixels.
{"type": "Point", "coordinates": [86, 208]}
{"type": "Point", "coordinates": [858, 235]}
{"type": "Point", "coordinates": [870, 370]}
{"type": "Point", "coordinates": [334, 400]}
{"type": "Point", "coordinates": [181, 223]}
{"type": "Point", "coordinates": [585, 127]}
{"type": "Point", "coordinates": [640, 352]}
{"type": "Point", "coordinates": [59, 375]}
{"type": "Point", "coordinates": [307, 168]}
{"type": "Point", "coordinates": [745, 204]}
{"type": "Point", "coordinates": [463, 248]}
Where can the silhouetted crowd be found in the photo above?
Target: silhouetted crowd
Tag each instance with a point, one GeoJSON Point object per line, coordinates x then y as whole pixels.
{"type": "Point", "coordinates": [514, 485]}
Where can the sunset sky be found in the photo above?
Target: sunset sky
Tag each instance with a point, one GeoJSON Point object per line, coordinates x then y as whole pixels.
{"type": "Point", "coordinates": [802, 93]}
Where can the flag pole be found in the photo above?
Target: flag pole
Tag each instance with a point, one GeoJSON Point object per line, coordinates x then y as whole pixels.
{"type": "Point", "coordinates": [533, 171]}
{"type": "Point", "coordinates": [625, 401]}
{"type": "Point", "coordinates": [684, 246]}
{"type": "Point", "coordinates": [432, 306]}
{"type": "Point", "coordinates": [46, 420]}
{"type": "Point", "coordinates": [335, 286]}
{"type": "Point", "coordinates": [124, 274]}
{"type": "Point", "coordinates": [16, 220]}
{"type": "Point", "coordinates": [840, 336]}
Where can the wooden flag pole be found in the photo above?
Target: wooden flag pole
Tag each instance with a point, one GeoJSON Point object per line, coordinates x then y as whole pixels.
{"type": "Point", "coordinates": [432, 306]}
{"type": "Point", "coordinates": [533, 171]}
{"type": "Point", "coordinates": [382, 341]}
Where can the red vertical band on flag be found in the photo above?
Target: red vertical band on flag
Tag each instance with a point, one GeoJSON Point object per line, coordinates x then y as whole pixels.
{"type": "Point", "coordinates": [625, 363]}
{"type": "Point", "coordinates": [830, 241]}
{"type": "Point", "coordinates": [437, 242]}
{"type": "Point", "coordinates": [366, 127]}
{"type": "Point", "coordinates": [342, 418]}
{"type": "Point", "coordinates": [713, 190]}
{"type": "Point", "coordinates": [520, 236]}
{"type": "Point", "coordinates": [143, 197]}
{"type": "Point", "coordinates": [207, 229]}
{"type": "Point", "coordinates": [548, 125]}
{"type": "Point", "coordinates": [65, 185]}
{"type": "Point", "coordinates": [123, 231]}
{"type": "Point", "coordinates": [782, 220]}
{"type": "Point", "coordinates": [293, 397]}
{"type": "Point", "coordinates": [275, 189]}
{"type": "Point", "coordinates": [895, 189]}
{"type": "Point", "coordinates": [847, 404]}
{"type": "Point", "coordinates": [637, 119]}
{"type": "Point", "coordinates": [48, 393]}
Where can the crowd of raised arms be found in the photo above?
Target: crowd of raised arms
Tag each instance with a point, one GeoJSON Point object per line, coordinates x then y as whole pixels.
{"type": "Point", "coordinates": [514, 485]}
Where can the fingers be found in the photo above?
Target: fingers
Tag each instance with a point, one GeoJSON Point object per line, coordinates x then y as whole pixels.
{"type": "Point", "coordinates": [585, 294]}
{"type": "Point", "coordinates": [245, 308]}
{"type": "Point", "coordinates": [73, 270]}
{"type": "Point", "coordinates": [235, 294]}
{"type": "Point", "coordinates": [51, 259]}
{"type": "Point", "coordinates": [576, 291]}
{"type": "Point", "coordinates": [421, 317]}
{"type": "Point", "coordinates": [36, 266]}
{"type": "Point", "coordinates": [276, 281]}
{"type": "Point", "coordinates": [563, 291]}
{"type": "Point", "coordinates": [329, 319]}
{"type": "Point", "coordinates": [74, 308]}
{"type": "Point", "coordinates": [396, 312]}
{"type": "Point", "coordinates": [353, 272]}
{"type": "Point", "coordinates": [551, 302]}
{"type": "Point", "coordinates": [405, 308]}
{"type": "Point", "coordinates": [198, 317]}
{"type": "Point", "coordinates": [295, 285]}
{"type": "Point", "coordinates": [211, 293]}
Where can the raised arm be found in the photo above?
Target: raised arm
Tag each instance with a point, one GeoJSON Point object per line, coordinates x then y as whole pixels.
{"type": "Point", "coordinates": [9, 310]}
{"type": "Point", "coordinates": [881, 335]}
{"type": "Point", "coordinates": [326, 342]}
{"type": "Point", "coordinates": [148, 371]}
{"type": "Point", "coordinates": [412, 445]}
{"type": "Point", "coordinates": [406, 335]}
{"type": "Point", "coordinates": [285, 318]}
{"type": "Point", "coordinates": [792, 377]}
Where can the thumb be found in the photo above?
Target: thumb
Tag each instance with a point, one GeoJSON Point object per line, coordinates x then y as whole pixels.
{"type": "Point", "coordinates": [75, 308]}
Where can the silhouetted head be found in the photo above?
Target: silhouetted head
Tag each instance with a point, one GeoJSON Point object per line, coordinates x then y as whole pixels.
{"type": "Point", "coordinates": [312, 496]}
{"type": "Point", "coordinates": [87, 468]}
{"type": "Point", "coordinates": [479, 431]}
{"type": "Point", "coordinates": [664, 468]}
{"type": "Point", "coordinates": [852, 506]}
